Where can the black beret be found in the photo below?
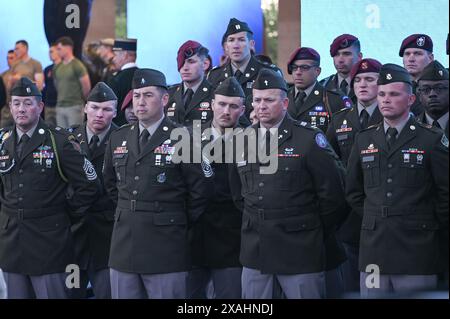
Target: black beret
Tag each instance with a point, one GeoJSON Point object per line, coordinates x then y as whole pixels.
{"type": "Point", "coordinates": [269, 79]}
{"type": "Point", "coordinates": [235, 26]}
{"type": "Point", "coordinates": [434, 72]}
{"type": "Point", "coordinates": [148, 77]}
{"type": "Point", "coordinates": [418, 41]}
{"type": "Point", "coordinates": [25, 87]}
{"type": "Point", "coordinates": [390, 73]}
{"type": "Point", "coordinates": [101, 93]}
{"type": "Point", "coordinates": [125, 45]}
{"type": "Point", "coordinates": [230, 87]}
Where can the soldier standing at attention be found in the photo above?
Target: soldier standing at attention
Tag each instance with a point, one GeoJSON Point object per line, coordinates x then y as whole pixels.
{"type": "Point", "coordinates": [37, 165]}
{"type": "Point", "coordinates": [397, 181]}
{"type": "Point", "coordinates": [156, 198]}
{"type": "Point", "coordinates": [191, 99]}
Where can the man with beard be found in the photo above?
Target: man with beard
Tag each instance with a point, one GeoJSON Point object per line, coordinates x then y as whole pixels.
{"type": "Point", "coordinates": [345, 51]}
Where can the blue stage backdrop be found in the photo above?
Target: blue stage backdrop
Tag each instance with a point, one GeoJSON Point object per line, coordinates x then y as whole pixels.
{"type": "Point", "coordinates": [162, 26]}
{"type": "Point", "coordinates": [23, 19]}
{"type": "Point", "coordinates": [381, 26]}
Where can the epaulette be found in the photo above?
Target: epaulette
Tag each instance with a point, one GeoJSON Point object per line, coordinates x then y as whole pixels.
{"type": "Point", "coordinates": [59, 130]}
{"type": "Point", "coordinates": [72, 128]}
{"type": "Point", "coordinates": [343, 110]}
{"type": "Point", "coordinates": [304, 124]}
{"type": "Point", "coordinates": [429, 127]}
{"type": "Point", "coordinates": [371, 127]}
{"type": "Point", "coordinates": [215, 68]}
{"type": "Point", "coordinates": [172, 88]}
{"type": "Point", "coordinates": [124, 126]}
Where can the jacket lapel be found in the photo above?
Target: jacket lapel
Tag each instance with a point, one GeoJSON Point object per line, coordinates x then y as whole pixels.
{"type": "Point", "coordinates": [179, 106]}
{"type": "Point", "coordinates": [311, 100]}
{"type": "Point", "coordinates": [284, 130]}
{"type": "Point", "coordinates": [133, 139]}
{"type": "Point", "coordinates": [37, 139]}
{"type": "Point", "coordinates": [407, 134]}
{"type": "Point", "coordinates": [353, 117]}
{"type": "Point", "coordinates": [199, 95]}
{"type": "Point", "coordinates": [161, 134]}
{"type": "Point", "coordinates": [380, 138]}
{"type": "Point", "coordinates": [376, 117]}
{"type": "Point", "coordinates": [100, 150]}
{"type": "Point", "coordinates": [80, 134]}
{"type": "Point", "coordinates": [251, 71]}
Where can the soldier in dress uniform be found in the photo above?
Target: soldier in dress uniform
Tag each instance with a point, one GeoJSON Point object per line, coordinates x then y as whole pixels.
{"type": "Point", "coordinates": [397, 180]}
{"type": "Point", "coordinates": [433, 94]}
{"type": "Point", "coordinates": [215, 237]}
{"type": "Point", "coordinates": [37, 165]}
{"type": "Point", "coordinates": [238, 42]}
{"type": "Point", "coordinates": [289, 206]}
{"type": "Point", "coordinates": [191, 99]}
{"type": "Point", "coordinates": [308, 100]}
{"type": "Point", "coordinates": [93, 233]}
{"type": "Point", "coordinates": [125, 62]}
{"type": "Point", "coordinates": [156, 198]}
{"type": "Point", "coordinates": [416, 51]}
{"type": "Point", "coordinates": [345, 51]}
{"type": "Point", "coordinates": [341, 133]}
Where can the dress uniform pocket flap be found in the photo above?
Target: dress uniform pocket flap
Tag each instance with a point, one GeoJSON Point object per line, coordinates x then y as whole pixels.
{"type": "Point", "coordinates": [300, 224]}
{"type": "Point", "coordinates": [120, 161]}
{"type": "Point", "coordinates": [163, 219]}
{"type": "Point", "coordinates": [421, 224]}
{"type": "Point", "coordinates": [368, 223]}
{"type": "Point", "coordinates": [53, 222]}
{"type": "Point", "coordinates": [370, 161]}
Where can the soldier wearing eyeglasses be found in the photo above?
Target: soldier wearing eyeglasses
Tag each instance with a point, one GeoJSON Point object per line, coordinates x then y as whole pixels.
{"type": "Point", "coordinates": [308, 100]}
{"type": "Point", "coordinates": [433, 94]}
{"type": "Point", "coordinates": [191, 99]}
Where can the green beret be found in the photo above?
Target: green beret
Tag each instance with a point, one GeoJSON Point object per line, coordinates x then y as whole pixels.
{"type": "Point", "coordinates": [101, 93]}
{"type": "Point", "coordinates": [391, 73]}
{"type": "Point", "coordinates": [434, 72]}
{"type": "Point", "coordinates": [230, 87]}
{"type": "Point", "coordinates": [269, 79]}
{"type": "Point", "coordinates": [148, 77]}
{"type": "Point", "coordinates": [25, 87]}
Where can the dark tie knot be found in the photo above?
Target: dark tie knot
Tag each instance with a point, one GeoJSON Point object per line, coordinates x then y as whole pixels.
{"type": "Point", "coordinates": [364, 118]}
{"type": "Point", "coordinates": [187, 97]}
{"type": "Point", "coordinates": [94, 143]}
{"type": "Point", "coordinates": [25, 138]}
{"type": "Point", "coordinates": [143, 139]}
{"type": "Point", "coordinates": [392, 132]}
{"type": "Point", "coordinates": [300, 97]}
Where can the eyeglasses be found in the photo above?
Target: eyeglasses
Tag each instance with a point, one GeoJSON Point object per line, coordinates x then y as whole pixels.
{"type": "Point", "coordinates": [427, 89]}
{"type": "Point", "coordinates": [303, 67]}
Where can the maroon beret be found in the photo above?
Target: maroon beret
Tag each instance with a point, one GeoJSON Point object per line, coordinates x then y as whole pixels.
{"type": "Point", "coordinates": [188, 49]}
{"type": "Point", "coordinates": [127, 101]}
{"type": "Point", "coordinates": [365, 66]}
{"type": "Point", "coordinates": [341, 42]}
{"type": "Point", "coordinates": [418, 41]}
{"type": "Point", "coordinates": [303, 54]}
